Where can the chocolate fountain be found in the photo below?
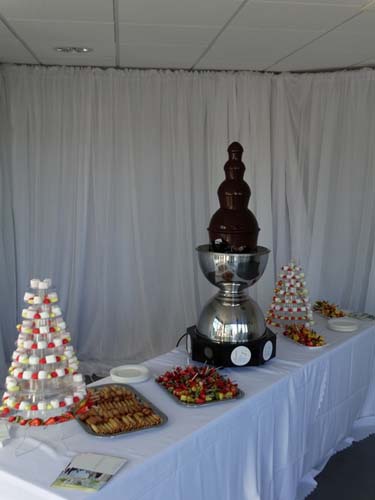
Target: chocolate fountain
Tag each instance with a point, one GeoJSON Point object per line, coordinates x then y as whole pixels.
{"type": "Point", "coordinates": [231, 330]}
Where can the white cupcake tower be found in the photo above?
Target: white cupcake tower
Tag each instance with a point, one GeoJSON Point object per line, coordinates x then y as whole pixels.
{"type": "Point", "coordinates": [43, 379]}
{"type": "Point", "coordinates": [290, 303]}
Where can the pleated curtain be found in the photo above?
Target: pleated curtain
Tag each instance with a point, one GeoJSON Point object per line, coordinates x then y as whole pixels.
{"type": "Point", "coordinates": [109, 179]}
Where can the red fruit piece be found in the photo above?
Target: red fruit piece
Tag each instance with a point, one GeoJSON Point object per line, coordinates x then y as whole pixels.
{"type": "Point", "coordinates": [34, 376]}
{"type": "Point", "coordinates": [46, 301]}
{"type": "Point", "coordinates": [51, 345]}
{"type": "Point", "coordinates": [58, 359]}
{"type": "Point", "coordinates": [50, 421]}
{"type": "Point", "coordinates": [75, 399]}
{"type": "Point", "coordinates": [36, 316]}
{"type": "Point", "coordinates": [34, 346]}
{"type": "Point", "coordinates": [42, 361]}
{"type": "Point", "coordinates": [35, 330]}
{"type": "Point", "coordinates": [33, 407]}
{"type": "Point", "coordinates": [12, 418]}
{"type": "Point", "coordinates": [65, 341]}
{"type": "Point", "coordinates": [52, 329]}
{"type": "Point", "coordinates": [66, 371]}
{"type": "Point", "coordinates": [23, 421]}
{"type": "Point", "coordinates": [62, 418]}
{"type": "Point", "coordinates": [35, 422]}
{"type": "Point", "coordinates": [62, 404]}
{"type": "Point", "coordinates": [6, 411]}
{"type": "Point", "coordinates": [53, 374]}
{"type": "Point", "coordinates": [19, 375]}
{"type": "Point", "coordinates": [16, 406]}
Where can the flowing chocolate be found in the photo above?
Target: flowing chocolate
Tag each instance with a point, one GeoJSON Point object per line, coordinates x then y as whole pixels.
{"type": "Point", "coordinates": [234, 228]}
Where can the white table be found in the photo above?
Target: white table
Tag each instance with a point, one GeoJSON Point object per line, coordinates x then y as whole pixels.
{"type": "Point", "coordinates": [299, 409]}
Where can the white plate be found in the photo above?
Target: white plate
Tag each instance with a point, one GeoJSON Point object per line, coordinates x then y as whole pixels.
{"type": "Point", "coordinates": [343, 324]}
{"type": "Point", "coordinates": [130, 374]}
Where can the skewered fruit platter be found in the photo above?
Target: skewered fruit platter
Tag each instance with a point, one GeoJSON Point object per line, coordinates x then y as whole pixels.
{"type": "Point", "coordinates": [198, 385]}
{"type": "Point", "coordinates": [328, 310]}
{"type": "Point", "coordinates": [303, 335]}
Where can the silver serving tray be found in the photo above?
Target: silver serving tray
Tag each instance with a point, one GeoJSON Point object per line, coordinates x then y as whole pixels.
{"type": "Point", "coordinates": [196, 405]}
{"type": "Point", "coordinates": [141, 398]}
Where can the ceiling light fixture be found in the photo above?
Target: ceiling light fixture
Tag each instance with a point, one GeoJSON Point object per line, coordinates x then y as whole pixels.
{"type": "Point", "coordinates": [73, 50]}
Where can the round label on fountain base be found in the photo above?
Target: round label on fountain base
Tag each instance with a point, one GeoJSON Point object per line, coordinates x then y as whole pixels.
{"type": "Point", "coordinates": [240, 355]}
{"type": "Point", "coordinates": [267, 350]}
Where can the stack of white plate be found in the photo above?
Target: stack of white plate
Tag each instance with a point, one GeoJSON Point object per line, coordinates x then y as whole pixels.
{"type": "Point", "coordinates": [343, 324]}
{"type": "Point", "coordinates": [130, 374]}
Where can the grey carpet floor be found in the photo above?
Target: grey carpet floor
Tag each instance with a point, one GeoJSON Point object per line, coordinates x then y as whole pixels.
{"type": "Point", "coordinates": [349, 475]}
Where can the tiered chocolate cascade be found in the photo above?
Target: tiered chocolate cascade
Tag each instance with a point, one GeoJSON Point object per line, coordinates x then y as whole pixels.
{"type": "Point", "coordinates": [231, 330]}
{"type": "Point", "coordinates": [234, 228]}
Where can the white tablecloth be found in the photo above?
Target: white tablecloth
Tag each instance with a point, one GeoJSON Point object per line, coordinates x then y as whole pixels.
{"type": "Point", "coordinates": [299, 409]}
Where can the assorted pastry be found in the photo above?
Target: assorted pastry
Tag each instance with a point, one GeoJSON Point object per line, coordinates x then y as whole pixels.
{"type": "Point", "coordinates": [116, 409]}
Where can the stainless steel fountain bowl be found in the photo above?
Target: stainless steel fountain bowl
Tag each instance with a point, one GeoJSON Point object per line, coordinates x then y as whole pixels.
{"type": "Point", "coordinates": [239, 270]}
{"type": "Point", "coordinates": [232, 316]}
{"type": "Point", "coordinates": [224, 319]}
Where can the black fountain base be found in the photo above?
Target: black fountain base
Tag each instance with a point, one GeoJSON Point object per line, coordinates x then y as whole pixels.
{"type": "Point", "coordinates": [251, 353]}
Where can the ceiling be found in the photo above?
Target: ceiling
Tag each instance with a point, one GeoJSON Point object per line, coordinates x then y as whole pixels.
{"type": "Point", "coordinates": [277, 35]}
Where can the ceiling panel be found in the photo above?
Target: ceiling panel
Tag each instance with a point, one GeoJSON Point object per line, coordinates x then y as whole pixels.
{"type": "Point", "coordinates": [11, 49]}
{"type": "Point", "coordinates": [177, 12]}
{"type": "Point", "coordinates": [44, 52]}
{"type": "Point", "coordinates": [292, 15]}
{"type": "Point", "coordinates": [241, 45]}
{"type": "Point", "coordinates": [4, 32]}
{"type": "Point", "coordinates": [368, 62]}
{"type": "Point", "coordinates": [71, 33]}
{"type": "Point", "coordinates": [70, 10]}
{"type": "Point", "coordinates": [176, 33]}
{"type": "Point", "coordinates": [159, 56]}
{"type": "Point", "coordinates": [167, 34]}
{"type": "Point", "coordinates": [85, 60]}
{"type": "Point", "coordinates": [334, 50]}
{"type": "Point", "coordinates": [364, 23]}
{"type": "Point", "coordinates": [217, 63]}
{"type": "Point", "coordinates": [356, 3]}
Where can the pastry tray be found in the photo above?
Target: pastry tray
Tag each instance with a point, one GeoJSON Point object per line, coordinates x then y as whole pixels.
{"type": "Point", "coordinates": [141, 399]}
{"type": "Point", "coordinates": [240, 395]}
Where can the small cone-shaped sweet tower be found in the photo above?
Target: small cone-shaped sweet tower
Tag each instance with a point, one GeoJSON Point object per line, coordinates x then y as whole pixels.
{"type": "Point", "coordinates": [43, 382]}
{"type": "Point", "coordinates": [290, 303]}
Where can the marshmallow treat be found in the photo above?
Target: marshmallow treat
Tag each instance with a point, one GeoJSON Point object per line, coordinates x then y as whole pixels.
{"type": "Point", "coordinates": [290, 302]}
{"type": "Point", "coordinates": [43, 384]}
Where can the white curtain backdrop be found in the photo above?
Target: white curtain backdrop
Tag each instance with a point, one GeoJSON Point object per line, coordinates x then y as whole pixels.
{"type": "Point", "coordinates": [109, 179]}
{"type": "Point", "coordinates": [323, 167]}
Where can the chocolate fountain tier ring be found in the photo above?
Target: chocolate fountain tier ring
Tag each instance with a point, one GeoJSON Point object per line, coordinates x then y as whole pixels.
{"type": "Point", "coordinates": [232, 272]}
